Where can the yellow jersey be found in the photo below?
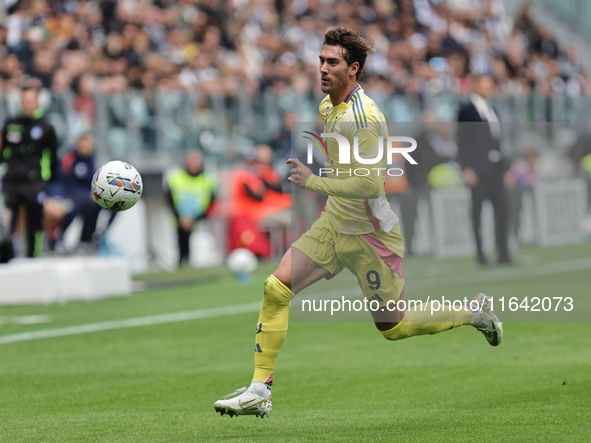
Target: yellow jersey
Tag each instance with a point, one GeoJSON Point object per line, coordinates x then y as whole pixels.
{"type": "Point", "coordinates": [357, 201]}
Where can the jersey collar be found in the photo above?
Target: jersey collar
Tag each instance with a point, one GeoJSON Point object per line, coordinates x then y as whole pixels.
{"type": "Point", "coordinates": [344, 104]}
{"type": "Point", "coordinates": [353, 91]}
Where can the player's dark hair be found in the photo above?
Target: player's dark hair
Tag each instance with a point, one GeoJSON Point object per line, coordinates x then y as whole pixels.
{"type": "Point", "coordinates": [356, 48]}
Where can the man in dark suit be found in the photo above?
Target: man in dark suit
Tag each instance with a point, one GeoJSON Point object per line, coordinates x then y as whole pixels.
{"type": "Point", "coordinates": [483, 164]}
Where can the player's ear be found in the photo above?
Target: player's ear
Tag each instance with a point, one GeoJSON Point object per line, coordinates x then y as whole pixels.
{"type": "Point", "coordinates": [353, 68]}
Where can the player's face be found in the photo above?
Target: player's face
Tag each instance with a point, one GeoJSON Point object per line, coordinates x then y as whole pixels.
{"type": "Point", "coordinates": [334, 71]}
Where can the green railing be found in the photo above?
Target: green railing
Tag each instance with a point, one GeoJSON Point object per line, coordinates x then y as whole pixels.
{"type": "Point", "coordinates": [152, 130]}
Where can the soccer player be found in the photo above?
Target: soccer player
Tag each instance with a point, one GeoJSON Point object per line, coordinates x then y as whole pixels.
{"type": "Point", "coordinates": [357, 230]}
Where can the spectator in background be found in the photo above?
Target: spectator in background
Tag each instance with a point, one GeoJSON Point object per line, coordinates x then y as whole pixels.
{"type": "Point", "coordinates": [435, 147]}
{"type": "Point", "coordinates": [247, 188]}
{"type": "Point", "coordinates": [520, 179]}
{"type": "Point", "coordinates": [546, 44]}
{"type": "Point", "coordinates": [581, 148]}
{"type": "Point", "coordinates": [253, 47]}
{"type": "Point", "coordinates": [190, 192]}
{"type": "Point", "coordinates": [282, 138]}
{"type": "Point", "coordinates": [585, 165]}
{"type": "Point", "coordinates": [44, 67]}
{"type": "Point", "coordinates": [522, 173]}
{"type": "Point", "coordinates": [483, 164]}
{"type": "Point", "coordinates": [75, 178]}
{"type": "Point", "coordinates": [84, 102]}
{"type": "Point", "coordinates": [247, 193]}
{"type": "Point", "coordinates": [276, 202]}
{"type": "Point", "coordinates": [29, 148]}
{"type": "Point", "coordinates": [258, 203]}
{"type": "Point", "coordinates": [525, 23]}
{"type": "Point", "coordinates": [580, 155]}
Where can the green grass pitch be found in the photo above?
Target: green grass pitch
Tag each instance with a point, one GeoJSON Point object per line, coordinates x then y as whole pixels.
{"type": "Point", "coordinates": [333, 382]}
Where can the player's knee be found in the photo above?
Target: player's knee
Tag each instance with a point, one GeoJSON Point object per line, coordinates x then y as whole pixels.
{"type": "Point", "coordinates": [275, 292]}
{"type": "Point", "coordinates": [283, 274]}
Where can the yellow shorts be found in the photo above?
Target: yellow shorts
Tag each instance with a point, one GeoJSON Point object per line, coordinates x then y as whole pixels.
{"type": "Point", "coordinates": [374, 258]}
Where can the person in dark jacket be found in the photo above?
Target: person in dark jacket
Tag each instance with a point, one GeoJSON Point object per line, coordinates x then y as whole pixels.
{"type": "Point", "coordinates": [75, 177]}
{"type": "Point", "coordinates": [483, 163]}
{"type": "Point", "coordinates": [28, 148]}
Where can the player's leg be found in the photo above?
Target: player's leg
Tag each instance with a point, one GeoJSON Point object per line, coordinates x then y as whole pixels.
{"type": "Point", "coordinates": [478, 196]}
{"type": "Point", "coordinates": [90, 213]}
{"type": "Point", "coordinates": [295, 272]}
{"type": "Point", "coordinates": [70, 216]}
{"type": "Point", "coordinates": [422, 319]}
{"type": "Point", "coordinates": [380, 275]}
{"type": "Point", "coordinates": [430, 318]}
{"type": "Point", "coordinates": [381, 278]}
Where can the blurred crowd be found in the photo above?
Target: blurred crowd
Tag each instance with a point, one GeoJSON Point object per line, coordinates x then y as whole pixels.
{"type": "Point", "coordinates": [248, 46]}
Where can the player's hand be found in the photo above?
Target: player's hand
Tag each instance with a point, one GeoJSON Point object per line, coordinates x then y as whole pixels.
{"type": "Point", "coordinates": [470, 178]}
{"type": "Point", "coordinates": [298, 175]}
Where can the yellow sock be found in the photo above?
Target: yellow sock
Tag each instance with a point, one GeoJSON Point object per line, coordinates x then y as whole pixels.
{"type": "Point", "coordinates": [417, 322]}
{"type": "Point", "coordinates": [271, 328]}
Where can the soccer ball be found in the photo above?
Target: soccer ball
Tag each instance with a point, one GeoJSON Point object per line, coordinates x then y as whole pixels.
{"type": "Point", "coordinates": [117, 186]}
{"type": "Point", "coordinates": [241, 261]}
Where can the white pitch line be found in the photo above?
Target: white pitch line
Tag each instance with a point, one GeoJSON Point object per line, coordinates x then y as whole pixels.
{"type": "Point", "coordinates": [510, 273]}
{"type": "Point", "coordinates": [431, 282]}
{"type": "Point", "coordinates": [26, 319]}
{"type": "Point", "coordinates": [131, 322]}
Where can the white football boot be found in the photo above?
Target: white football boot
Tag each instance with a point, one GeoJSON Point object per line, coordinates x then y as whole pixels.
{"type": "Point", "coordinates": [485, 320]}
{"type": "Point", "coordinates": [244, 401]}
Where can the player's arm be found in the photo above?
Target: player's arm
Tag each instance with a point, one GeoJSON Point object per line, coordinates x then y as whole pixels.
{"type": "Point", "coordinates": [467, 136]}
{"type": "Point", "coordinates": [463, 140]}
{"type": "Point", "coordinates": [251, 193]}
{"type": "Point", "coordinates": [370, 186]}
{"type": "Point", "coordinates": [273, 186]}
{"type": "Point", "coordinates": [168, 198]}
{"type": "Point", "coordinates": [170, 202]}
